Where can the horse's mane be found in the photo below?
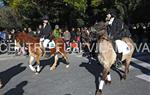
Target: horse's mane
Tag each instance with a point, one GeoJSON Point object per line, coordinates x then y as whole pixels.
{"type": "Point", "coordinates": [101, 31]}
{"type": "Point", "coordinates": [22, 36]}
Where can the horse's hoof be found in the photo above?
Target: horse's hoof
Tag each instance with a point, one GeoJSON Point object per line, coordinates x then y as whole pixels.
{"type": "Point", "coordinates": [51, 69]}
{"type": "Point", "coordinates": [99, 92]}
{"type": "Point", "coordinates": [38, 70]}
{"type": "Point", "coordinates": [67, 66]}
{"type": "Point", "coordinates": [1, 86]}
{"type": "Point", "coordinates": [36, 73]}
{"type": "Point", "coordinates": [124, 77]}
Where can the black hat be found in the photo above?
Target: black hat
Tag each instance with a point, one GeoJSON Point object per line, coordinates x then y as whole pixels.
{"type": "Point", "coordinates": [112, 12]}
{"type": "Point", "coordinates": [45, 17]}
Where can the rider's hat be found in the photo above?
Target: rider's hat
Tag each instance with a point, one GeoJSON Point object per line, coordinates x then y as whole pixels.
{"type": "Point", "coordinates": [45, 17]}
{"type": "Point", "coordinates": [112, 12]}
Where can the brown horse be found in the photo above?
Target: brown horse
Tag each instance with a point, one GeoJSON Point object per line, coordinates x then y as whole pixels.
{"type": "Point", "coordinates": [36, 51]}
{"type": "Point", "coordinates": [107, 55]}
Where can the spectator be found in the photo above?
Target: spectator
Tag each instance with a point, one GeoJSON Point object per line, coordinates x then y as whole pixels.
{"type": "Point", "coordinates": [67, 37]}
{"type": "Point", "coordinates": [10, 41]}
{"type": "Point", "coordinates": [73, 35]}
{"type": "Point", "coordinates": [78, 38]}
{"type": "Point", "coordinates": [38, 31]}
{"type": "Point", "coordinates": [57, 32]}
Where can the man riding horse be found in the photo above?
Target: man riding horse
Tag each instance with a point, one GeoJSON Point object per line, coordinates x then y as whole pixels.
{"type": "Point", "coordinates": [115, 31]}
{"type": "Point", "coordinates": [45, 33]}
{"type": "Point", "coordinates": [46, 28]}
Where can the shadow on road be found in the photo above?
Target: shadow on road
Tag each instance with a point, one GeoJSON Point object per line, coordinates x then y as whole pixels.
{"type": "Point", "coordinates": [95, 69]}
{"type": "Point", "coordinates": [18, 90]}
{"type": "Point", "coordinates": [142, 69]}
{"type": "Point", "coordinates": [46, 62]}
{"type": "Point", "coordinates": [50, 62]}
{"type": "Point", "coordinates": [10, 73]}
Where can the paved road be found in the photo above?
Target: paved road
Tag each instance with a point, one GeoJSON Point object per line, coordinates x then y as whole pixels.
{"type": "Point", "coordinates": [79, 79]}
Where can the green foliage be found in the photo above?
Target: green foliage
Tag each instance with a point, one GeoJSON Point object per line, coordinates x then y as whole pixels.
{"type": "Point", "coordinates": [68, 12]}
{"type": "Point", "coordinates": [80, 5]}
{"type": "Point", "coordinates": [126, 7]}
{"type": "Point", "coordinates": [96, 3]}
{"type": "Point", "coordinates": [80, 22]}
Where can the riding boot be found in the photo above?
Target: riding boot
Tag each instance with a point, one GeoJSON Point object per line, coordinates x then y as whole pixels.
{"type": "Point", "coordinates": [47, 54]}
{"type": "Point", "coordinates": [114, 45]}
{"type": "Point", "coordinates": [118, 60]}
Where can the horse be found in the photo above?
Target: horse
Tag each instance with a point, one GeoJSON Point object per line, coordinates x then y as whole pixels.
{"type": "Point", "coordinates": [36, 50]}
{"type": "Point", "coordinates": [107, 55]}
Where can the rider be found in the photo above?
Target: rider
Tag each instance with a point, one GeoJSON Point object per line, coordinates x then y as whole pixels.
{"type": "Point", "coordinates": [46, 28]}
{"type": "Point", "coordinates": [45, 31]}
{"type": "Point", "coordinates": [115, 26]}
{"type": "Point", "coordinates": [57, 32]}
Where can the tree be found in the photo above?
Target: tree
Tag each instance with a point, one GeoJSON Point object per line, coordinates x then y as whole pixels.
{"type": "Point", "coordinates": [80, 5]}
{"type": "Point", "coordinates": [9, 18]}
{"type": "Point", "coordinates": [126, 8]}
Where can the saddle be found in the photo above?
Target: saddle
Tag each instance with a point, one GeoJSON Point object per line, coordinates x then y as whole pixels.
{"type": "Point", "coordinates": [121, 47]}
{"type": "Point", "coordinates": [46, 43]}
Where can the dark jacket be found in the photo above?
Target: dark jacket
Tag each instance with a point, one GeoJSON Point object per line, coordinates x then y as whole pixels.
{"type": "Point", "coordinates": [45, 32]}
{"type": "Point", "coordinates": [118, 29]}
{"type": "Point", "coordinates": [115, 29]}
{"type": "Point", "coordinates": [73, 35]}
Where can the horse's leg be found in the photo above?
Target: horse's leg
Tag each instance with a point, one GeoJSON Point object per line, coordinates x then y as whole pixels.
{"type": "Point", "coordinates": [44, 52]}
{"type": "Point", "coordinates": [38, 64]}
{"type": "Point", "coordinates": [67, 62]}
{"type": "Point", "coordinates": [102, 82]}
{"type": "Point", "coordinates": [31, 60]}
{"type": "Point", "coordinates": [55, 62]}
{"type": "Point", "coordinates": [42, 48]}
{"type": "Point", "coordinates": [126, 68]}
{"type": "Point", "coordinates": [66, 59]}
{"type": "Point", "coordinates": [108, 78]}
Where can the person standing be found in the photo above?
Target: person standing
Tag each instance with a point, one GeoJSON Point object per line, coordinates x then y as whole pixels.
{"type": "Point", "coordinates": [57, 32]}
{"type": "Point", "coordinates": [67, 37]}
{"type": "Point", "coordinates": [73, 35]}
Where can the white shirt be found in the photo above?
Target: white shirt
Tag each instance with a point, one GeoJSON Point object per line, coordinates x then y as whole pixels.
{"type": "Point", "coordinates": [111, 21]}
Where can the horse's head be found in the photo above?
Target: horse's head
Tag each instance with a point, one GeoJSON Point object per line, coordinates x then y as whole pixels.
{"type": "Point", "coordinates": [100, 30]}
{"type": "Point", "coordinates": [24, 38]}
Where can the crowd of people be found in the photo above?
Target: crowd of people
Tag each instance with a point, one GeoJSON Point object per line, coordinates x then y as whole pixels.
{"type": "Point", "coordinates": [74, 36]}
{"type": "Point", "coordinates": [141, 32]}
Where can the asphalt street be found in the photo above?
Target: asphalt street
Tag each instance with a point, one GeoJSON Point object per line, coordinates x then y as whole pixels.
{"type": "Point", "coordinates": [81, 78]}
